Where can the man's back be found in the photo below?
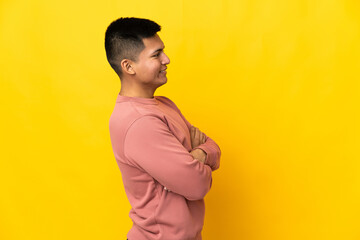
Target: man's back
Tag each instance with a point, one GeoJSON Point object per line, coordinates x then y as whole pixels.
{"type": "Point", "coordinates": [163, 182]}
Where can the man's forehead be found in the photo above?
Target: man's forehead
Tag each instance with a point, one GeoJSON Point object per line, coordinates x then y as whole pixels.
{"type": "Point", "coordinates": [153, 43]}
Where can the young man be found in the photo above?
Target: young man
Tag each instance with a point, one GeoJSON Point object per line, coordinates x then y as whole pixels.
{"type": "Point", "coordinates": [165, 162]}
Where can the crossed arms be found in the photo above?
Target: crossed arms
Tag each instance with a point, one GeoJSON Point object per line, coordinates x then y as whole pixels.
{"type": "Point", "coordinates": [153, 148]}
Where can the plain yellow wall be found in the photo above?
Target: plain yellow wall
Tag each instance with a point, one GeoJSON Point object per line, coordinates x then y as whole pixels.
{"type": "Point", "coordinates": [275, 83]}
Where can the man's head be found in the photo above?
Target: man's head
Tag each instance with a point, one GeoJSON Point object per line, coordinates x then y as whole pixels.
{"type": "Point", "coordinates": [124, 40]}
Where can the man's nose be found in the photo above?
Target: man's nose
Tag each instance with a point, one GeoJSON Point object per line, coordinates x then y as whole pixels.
{"type": "Point", "coordinates": [165, 60]}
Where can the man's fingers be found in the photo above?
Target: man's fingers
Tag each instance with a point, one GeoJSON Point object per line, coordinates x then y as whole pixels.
{"type": "Point", "coordinates": [192, 132]}
{"type": "Point", "coordinates": [203, 138]}
{"type": "Point", "coordinates": [197, 137]}
{"type": "Point", "coordinates": [197, 134]}
{"type": "Point", "coordinates": [195, 140]}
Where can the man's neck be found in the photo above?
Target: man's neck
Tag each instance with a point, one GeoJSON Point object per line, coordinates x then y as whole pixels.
{"type": "Point", "coordinates": [133, 92]}
{"type": "Point", "coordinates": [131, 89]}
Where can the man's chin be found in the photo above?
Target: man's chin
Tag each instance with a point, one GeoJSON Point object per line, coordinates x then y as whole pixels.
{"type": "Point", "coordinates": [164, 79]}
{"type": "Point", "coordinates": [164, 82]}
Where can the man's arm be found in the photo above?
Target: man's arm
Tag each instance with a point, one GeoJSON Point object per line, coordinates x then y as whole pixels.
{"type": "Point", "coordinates": [151, 146]}
{"type": "Point", "coordinates": [212, 151]}
{"type": "Point", "coordinates": [210, 147]}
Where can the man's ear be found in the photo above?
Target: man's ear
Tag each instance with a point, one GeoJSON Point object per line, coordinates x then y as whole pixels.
{"type": "Point", "coordinates": [127, 66]}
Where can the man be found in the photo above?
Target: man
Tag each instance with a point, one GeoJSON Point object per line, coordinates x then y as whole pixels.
{"type": "Point", "coordinates": [166, 164]}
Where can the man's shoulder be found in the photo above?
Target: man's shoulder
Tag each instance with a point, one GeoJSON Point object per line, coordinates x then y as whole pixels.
{"type": "Point", "coordinates": [128, 112]}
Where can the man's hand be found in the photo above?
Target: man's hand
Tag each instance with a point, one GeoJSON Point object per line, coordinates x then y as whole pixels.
{"type": "Point", "coordinates": [197, 137]}
{"type": "Point", "coordinates": [199, 155]}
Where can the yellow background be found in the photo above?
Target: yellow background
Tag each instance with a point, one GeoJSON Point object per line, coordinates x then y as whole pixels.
{"type": "Point", "coordinates": [275, 83]}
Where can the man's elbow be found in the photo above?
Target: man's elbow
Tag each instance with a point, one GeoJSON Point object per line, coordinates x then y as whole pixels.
{"type": "Point", "coordinates": [198, 192]}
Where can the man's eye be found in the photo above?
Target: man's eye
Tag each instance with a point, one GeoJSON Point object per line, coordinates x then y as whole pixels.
{"type": "Point", "coordinates": [156, 55]}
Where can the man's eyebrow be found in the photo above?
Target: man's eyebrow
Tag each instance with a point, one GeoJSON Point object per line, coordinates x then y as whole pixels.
{"type": "Point", "coordinates": [158, 50]}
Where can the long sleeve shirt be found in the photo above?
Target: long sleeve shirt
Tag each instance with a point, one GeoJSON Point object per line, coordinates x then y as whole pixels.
{"type": "Point", "coordinates": [164, 184]}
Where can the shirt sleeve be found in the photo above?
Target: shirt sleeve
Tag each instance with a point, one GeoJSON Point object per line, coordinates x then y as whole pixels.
{"type": "Point", "coordinates": [213, 152]}
{"type": "Point", "coordinates": [151, 146]}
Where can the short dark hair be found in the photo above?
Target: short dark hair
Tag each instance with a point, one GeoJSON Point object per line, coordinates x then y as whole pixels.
{"type": "Point", "coordinates": [123, 39]}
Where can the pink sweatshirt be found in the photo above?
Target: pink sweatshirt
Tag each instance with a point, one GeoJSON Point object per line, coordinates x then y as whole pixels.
{"type": "Point", "coordinates": [164, 184]}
